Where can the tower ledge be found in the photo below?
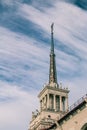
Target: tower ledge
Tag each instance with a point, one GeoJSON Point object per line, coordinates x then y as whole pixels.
{"type": "Point", "coordinates": [55, 89]}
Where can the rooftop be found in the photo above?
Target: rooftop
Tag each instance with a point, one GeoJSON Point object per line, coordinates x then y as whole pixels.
{"type": "Point", "coordinates": [77, 105]}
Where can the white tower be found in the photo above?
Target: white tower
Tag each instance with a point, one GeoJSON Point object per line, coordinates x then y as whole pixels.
{"type": "Point", "coordinates": [53, 98]}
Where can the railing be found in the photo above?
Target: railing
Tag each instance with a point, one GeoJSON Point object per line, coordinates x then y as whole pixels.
{"type": "Point", "coordinates": [78, 102]}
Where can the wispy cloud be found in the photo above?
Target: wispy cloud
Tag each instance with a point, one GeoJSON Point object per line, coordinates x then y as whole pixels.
{"type": "Point", "coordinates": [24, 54]}
{"type": "Point", "coordinates": [67, 34]}
{"type": "Point", "coordinates": [21, 60]}
{"type": "Point", "coordinates": [16, 107]}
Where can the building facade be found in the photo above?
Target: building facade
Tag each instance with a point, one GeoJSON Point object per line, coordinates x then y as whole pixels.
{"type": "Point", "coordinates": [54, 112]}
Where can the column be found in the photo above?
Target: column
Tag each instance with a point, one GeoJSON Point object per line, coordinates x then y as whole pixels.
{"type": "Point", "coordinates": [51, 102]}
{"type": "Point", "coordinates": [41, 105]}
{"type": "Point", "coordinates": [57, 103]}
{"type": "Point", "coordinates": [48, 101]}
{"type": "Point", "coordinates": [63, 104]}
{"type": "Point", "coordinates": [45, 102]}
{"type": "Point", "coordinates": [54, 102]}
{"type": "Point", "coordinates": [66, 103]}
{"type": "Point", "coordinates": [60, 103]}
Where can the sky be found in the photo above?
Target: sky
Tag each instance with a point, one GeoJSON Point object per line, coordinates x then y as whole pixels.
{"type": "Point", "coordinates": [24, 54]}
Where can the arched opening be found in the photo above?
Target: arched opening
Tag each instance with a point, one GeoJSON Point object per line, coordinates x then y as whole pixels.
{"type": "Point", "coordinates": [84, 127]}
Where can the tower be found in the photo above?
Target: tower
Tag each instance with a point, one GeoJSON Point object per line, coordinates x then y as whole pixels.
{"type": "Point", "coordinates": [53, 98]}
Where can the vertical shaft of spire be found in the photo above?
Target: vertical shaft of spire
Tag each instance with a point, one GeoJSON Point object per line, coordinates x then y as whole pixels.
{"type": "Point", "coordinates": [52, 40]}
{"type": "Point", "coordinates": [52, 74]}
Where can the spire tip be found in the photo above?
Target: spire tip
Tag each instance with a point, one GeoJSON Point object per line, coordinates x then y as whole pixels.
{"type": "Point", "coordinates": [52, 27]}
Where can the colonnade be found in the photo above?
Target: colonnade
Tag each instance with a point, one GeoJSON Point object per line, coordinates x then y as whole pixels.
{"type": "Point", "coordinates": [54, 102]}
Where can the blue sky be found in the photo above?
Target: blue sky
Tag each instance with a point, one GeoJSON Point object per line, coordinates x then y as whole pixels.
{"type": "Point", "coordinates": [24, 54]}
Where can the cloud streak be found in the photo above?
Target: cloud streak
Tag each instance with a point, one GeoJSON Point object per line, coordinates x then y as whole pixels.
{"type": "Point", "coordinates": [15, 107]}
{"type": "Point", "coordinates": [24, 54]}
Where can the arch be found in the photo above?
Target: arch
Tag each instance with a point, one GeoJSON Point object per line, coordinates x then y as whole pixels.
{"type": "Point", "coordinates": [84, 127]}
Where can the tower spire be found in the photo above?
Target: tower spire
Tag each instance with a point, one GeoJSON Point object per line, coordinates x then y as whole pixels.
{"type": "Point", "coordinates": [52, 40]}
{"type": "Point", "coordinates": [52, 73]}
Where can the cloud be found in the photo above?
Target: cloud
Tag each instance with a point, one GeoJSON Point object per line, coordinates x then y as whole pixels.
{"type": "Point", "coordinates": [20, 58]}
{"type": "Point", "coordinates": [23, 61]}
{"type": "Point", "coordinates": [69, 37]}
{"type": "Point", "coordinates": [68, 43]}
{"type": "Point", "coordinates": [24, 54]}
{"type": "Point", "coordinates": [10, 2]}
{"type": "Point", "coordinates": [63, 14]}
{"type": "Point", "coordinates": [82, 4]}
{"type": "Point", "coordinates": [16, 107]}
